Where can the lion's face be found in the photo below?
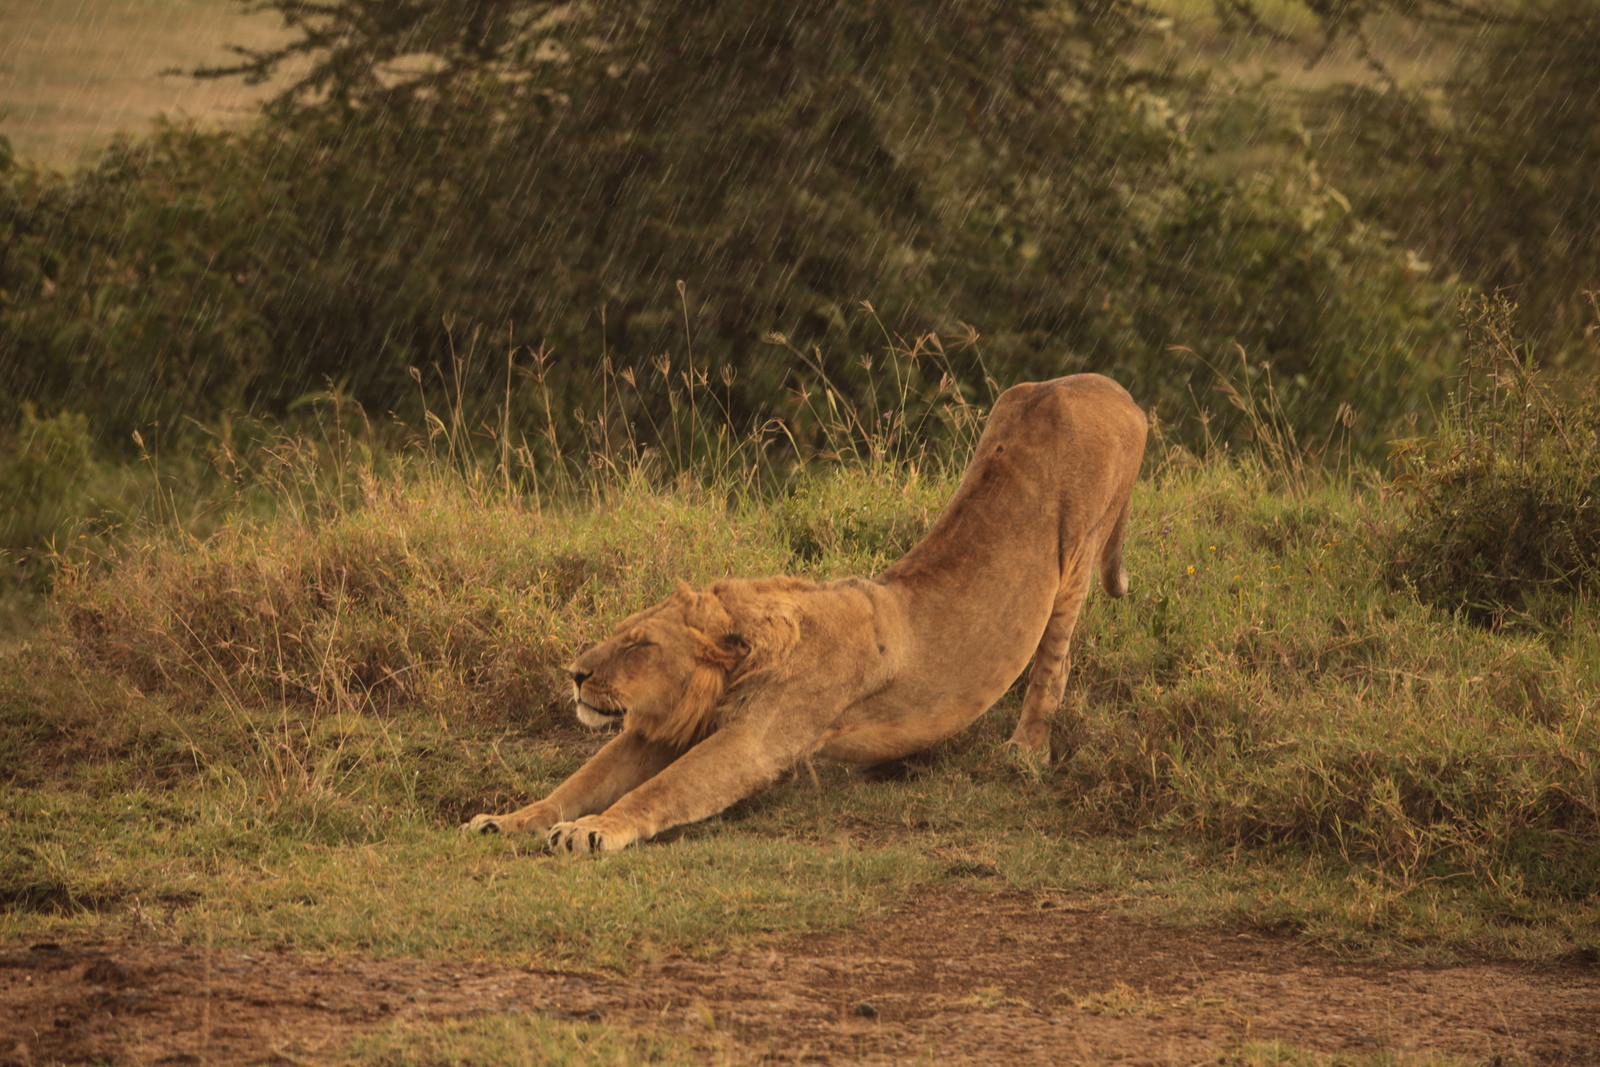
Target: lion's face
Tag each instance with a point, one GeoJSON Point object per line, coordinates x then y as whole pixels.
{"type": "Point", "coordinates": [663, 668]}
{"type": "Point", "coordinates": [644, 666]}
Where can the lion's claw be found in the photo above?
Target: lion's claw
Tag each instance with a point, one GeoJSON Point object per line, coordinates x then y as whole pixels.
{"type": "Point", "coordinates": [589, 835]}
{"type": "Point", "coordinates": [482, 824]}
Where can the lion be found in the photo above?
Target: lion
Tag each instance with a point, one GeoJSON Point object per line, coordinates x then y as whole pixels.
{"type": "Point", "coordinates": [721, 690]}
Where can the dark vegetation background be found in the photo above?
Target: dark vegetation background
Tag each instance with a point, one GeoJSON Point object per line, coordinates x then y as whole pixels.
{"type": "Point", "coordinates": [535, 210]}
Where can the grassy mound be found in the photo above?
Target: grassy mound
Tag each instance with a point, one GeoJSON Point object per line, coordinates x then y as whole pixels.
{"type": "Point", "coordinates": [432, 597]}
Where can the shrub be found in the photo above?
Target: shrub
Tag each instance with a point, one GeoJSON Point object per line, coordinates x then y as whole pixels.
{"type": "Point", "coordinates": [45, 467]}
{"type": "Point", "coordinates": [427, 595]}
{"type": "Point", "coordinates": [1503, 502]}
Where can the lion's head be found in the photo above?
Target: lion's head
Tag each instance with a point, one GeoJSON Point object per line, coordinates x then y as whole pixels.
{"type": "Point", "coordinates": [664, 668]}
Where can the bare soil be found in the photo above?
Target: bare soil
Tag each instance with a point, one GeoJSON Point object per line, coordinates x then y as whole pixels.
{"type": "Point", "coordinates": [952, 976]}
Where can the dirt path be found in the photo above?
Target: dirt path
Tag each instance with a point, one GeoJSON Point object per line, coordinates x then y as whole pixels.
{"type": "Point", "coordinates": [954, 976]}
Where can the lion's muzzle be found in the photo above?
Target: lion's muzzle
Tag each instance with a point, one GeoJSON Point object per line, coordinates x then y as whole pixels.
{"type": "Point", "coordinates": [592, 715]}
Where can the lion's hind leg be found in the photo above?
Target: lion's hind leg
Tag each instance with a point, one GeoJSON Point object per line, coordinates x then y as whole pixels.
{"type": "Point", "coordinates": [1048, 679]}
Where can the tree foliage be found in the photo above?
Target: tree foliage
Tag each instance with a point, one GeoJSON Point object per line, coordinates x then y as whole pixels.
{"type": "Point", "coordinates": [628, 179]}
{"type": "Point", "coordinates": [1491, 173]}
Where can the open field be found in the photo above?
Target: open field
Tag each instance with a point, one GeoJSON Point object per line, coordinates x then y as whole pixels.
{"type": "Point", "coordinates": [74, 73]}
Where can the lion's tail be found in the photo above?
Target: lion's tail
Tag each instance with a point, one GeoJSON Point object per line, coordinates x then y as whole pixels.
{"type": "Point", "coordinates": [1113, 575]}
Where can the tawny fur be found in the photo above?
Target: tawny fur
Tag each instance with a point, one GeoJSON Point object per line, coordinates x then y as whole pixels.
{"type": "Point", "coordinates": [721, 690]}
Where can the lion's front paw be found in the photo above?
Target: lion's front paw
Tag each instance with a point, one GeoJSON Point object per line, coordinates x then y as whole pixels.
{"type": "Point", "coordinates": [500, 824]}
{"type": "Point", "coordinates": [590, 834]}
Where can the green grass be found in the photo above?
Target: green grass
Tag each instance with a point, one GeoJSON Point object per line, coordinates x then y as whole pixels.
{"type": "Point", "coordinates": [1263, 733]}
{"type": "Point", "coordinates": [430, 891]}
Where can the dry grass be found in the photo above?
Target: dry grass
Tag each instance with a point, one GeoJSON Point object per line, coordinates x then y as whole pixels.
{"type": "Point", "coordinates": [74, 73]}
{"type": "Point", "coordinates": [516, 1040]}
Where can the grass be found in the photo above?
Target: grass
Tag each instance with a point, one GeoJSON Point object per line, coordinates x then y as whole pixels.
{"type": "Point", "coordinates": [1282, 1054]}
{"type": "Point", "coordinates": [269, 737]}
{"type": "Point", "coordinates": [429, 891]}
{"type": "Point", "coordinates": [515, 1040]}
{"type": "Point", "coordinates": [520, 1039]}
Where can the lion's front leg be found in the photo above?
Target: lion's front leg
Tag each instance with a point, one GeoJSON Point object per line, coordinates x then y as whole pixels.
{"type": "Point", "coordinates": [628, 760]}
{"type": "Point", "coordinates": [727, 766]}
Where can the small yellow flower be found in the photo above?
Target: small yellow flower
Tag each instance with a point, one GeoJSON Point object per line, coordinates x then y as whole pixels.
{"type": "Point", "coordinates": [1191, 568]}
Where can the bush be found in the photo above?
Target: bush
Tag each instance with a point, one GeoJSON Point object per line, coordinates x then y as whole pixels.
{"type": "Point", "coordinates": [426, 596]}
{"type": "Point", "coordinates": [1503, 503]}
{"type": "Point", "coordinates": [45, 467]}
{"type": "Point", "coordinates": [133, 293]}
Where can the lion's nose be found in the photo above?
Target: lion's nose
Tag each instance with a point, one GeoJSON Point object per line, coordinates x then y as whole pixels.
{"type": "Point", "coordinates": [579, 675]}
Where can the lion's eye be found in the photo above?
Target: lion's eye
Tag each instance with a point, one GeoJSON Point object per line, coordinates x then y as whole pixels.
{"type": "Point", "coordinates": [632, 645]}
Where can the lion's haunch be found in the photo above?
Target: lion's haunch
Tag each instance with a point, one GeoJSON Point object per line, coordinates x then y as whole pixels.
{"type": "Point", "coordinates": [722, 689]}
